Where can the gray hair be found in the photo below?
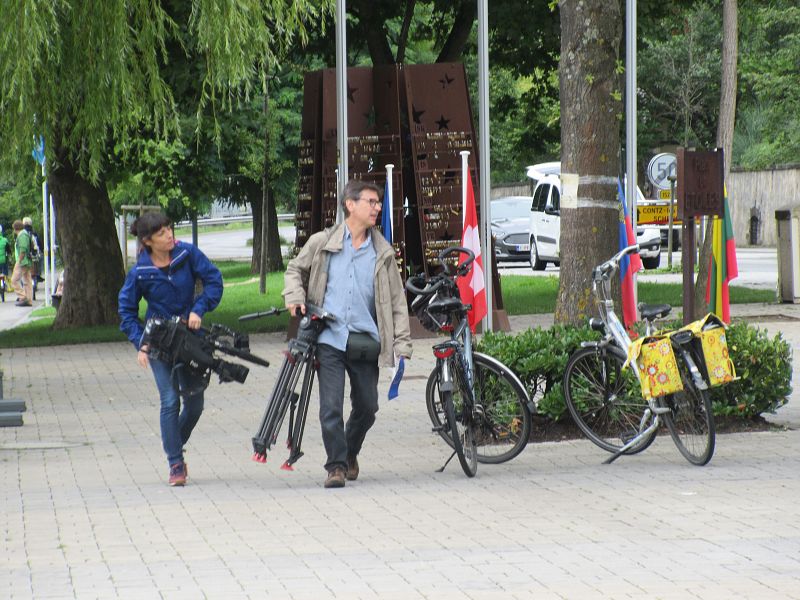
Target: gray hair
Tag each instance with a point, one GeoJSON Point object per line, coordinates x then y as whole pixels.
{"type": "Point", "coordinates": [353, 190]}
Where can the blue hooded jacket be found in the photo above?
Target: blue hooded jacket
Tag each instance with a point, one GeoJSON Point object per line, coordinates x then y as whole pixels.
{"type": "Point", "coordinates": [168, 294]}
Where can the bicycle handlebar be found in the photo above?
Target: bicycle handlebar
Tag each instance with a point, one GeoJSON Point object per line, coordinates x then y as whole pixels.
{"type": "Point", "coordinates": [431, 285]}
{"type": "Point", "coordinates": [605, 269]}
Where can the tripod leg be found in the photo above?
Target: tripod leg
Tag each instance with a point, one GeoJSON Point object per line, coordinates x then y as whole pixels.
{"type": "Point", "coordinates": [276, 408]}
{"type": "Point", "coordinates": [298, 429]}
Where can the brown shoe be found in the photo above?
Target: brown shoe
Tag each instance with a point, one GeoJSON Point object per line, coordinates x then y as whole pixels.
{"type": "Point", "coordinates": [335, 478]}
{"type": "Point", "coordinates": [352, 468]}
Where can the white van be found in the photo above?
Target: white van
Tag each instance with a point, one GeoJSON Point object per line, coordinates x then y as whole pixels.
{"type": "Point", "coordinates": [545, 237]}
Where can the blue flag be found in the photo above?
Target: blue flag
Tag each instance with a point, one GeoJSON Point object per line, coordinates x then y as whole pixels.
{"type": "Point", "coordinates": [38, 150]}
{"type": "Point", "coordinates": [386, 213]}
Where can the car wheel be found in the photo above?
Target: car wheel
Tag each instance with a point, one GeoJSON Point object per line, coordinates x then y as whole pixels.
{"type": "Point", "coordinates": [536, 263]}
{"type": "Point", "coordinates": [653, 262]}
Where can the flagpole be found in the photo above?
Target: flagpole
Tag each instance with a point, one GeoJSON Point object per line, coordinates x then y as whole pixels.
{"type": "Point", "coordinates": [341, 102]}
{"type": "Point", "coordinates": [52, 247]}
{"type": "Point", "coordinates": [388, 202]}
{"type": "Point", "coordinates": [464, 168]}
{"type": "Point", "coordinates": [485, 165]}
{"type": "Point", "coordinates": [45, 224]}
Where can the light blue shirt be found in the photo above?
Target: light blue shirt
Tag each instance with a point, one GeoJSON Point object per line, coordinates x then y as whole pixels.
{"type": "Point", "coordinates": [350, 292]}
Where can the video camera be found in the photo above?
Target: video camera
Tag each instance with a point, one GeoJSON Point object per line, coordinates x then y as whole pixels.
{"type": "Point", "coordinates": [171, 341]}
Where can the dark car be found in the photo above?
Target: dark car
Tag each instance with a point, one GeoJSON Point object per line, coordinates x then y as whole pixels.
{"type": "Point", "coordinates": [511, 227]}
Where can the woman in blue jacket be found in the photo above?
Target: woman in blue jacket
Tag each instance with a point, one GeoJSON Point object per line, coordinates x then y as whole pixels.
{"type": "Point", "coordinates": [165, 275]}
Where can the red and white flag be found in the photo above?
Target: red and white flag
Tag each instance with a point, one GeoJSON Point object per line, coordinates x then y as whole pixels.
{"type": "Point", "coordinates": [471, 287]}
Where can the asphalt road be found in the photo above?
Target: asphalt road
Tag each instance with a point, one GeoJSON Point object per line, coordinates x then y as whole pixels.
{"type": "Point", "coordinates": [758, 267]}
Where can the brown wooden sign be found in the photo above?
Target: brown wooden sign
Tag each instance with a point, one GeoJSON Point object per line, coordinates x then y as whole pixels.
{"type": "Point", "coordinates": [700, 182]}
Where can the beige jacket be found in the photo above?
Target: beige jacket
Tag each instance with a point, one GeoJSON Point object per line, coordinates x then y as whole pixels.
{"type": "Point", "coordinates": [306, 279]}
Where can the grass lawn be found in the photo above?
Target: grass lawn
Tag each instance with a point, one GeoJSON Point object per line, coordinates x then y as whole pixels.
{"type": "Point", "coordinates": [521, 295]}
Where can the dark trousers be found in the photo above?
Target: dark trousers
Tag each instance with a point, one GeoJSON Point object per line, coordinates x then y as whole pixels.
{"type": "Point", "coordinates": [342, 441]}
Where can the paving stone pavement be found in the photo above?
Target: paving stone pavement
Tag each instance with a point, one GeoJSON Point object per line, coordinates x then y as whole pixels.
{"type": "Point", "coordinates": [86, 512]}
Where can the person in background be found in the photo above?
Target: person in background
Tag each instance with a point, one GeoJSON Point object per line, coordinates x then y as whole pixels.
{"type": "Point", "coordinates": [21, 277]}
{"type": "Point", "coordinates": [165, 275]}
{"type": "Point", "coordinates": [5, 253]}
{"type": "Point", "coordinates": [350, 270]}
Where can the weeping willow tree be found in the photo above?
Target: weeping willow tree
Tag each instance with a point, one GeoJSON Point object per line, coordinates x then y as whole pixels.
{"type": "Point", "coordinates": [87, 75]}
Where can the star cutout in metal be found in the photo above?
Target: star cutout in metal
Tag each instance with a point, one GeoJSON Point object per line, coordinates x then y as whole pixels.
{"type": "Point", "coordinates": [417, 114]}
{"type": "Point", "coordinates": [443, 123]}
{"type": "Point", "coordinates": [446, 80]}
{"type": "Point", "coordinates": [449, 176]}
{"type": "Point", "coordinates": [370, 116]}
{"type": "Point", "coordinates": [351, 91]}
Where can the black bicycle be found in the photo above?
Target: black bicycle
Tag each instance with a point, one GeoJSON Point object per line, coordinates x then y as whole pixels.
{"type": "Point", "coordinates": [299, 363]}
{"type": "Point", "coordinates": [475, 402]}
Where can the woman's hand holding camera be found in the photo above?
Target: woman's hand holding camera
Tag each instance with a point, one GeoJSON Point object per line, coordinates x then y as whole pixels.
{"type": "Point", "coordinates": [141, 358]}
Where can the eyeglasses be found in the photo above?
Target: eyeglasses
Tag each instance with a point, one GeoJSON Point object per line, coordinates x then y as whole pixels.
{"type": "Point", "coordinates": [373, 202]}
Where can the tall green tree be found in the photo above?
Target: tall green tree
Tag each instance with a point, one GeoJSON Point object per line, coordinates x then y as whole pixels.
{"type": "Point", "coordinates": [89, 74]}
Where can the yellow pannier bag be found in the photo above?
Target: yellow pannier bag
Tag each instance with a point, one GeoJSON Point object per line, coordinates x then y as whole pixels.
{"type": "Point", "coordinates": [710, 331]}
{"type": "Point", "coordinates": [658, 370]}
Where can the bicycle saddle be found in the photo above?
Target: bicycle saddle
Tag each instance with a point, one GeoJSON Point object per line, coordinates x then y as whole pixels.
{"type": "Point", "coordinates": [654, 311]}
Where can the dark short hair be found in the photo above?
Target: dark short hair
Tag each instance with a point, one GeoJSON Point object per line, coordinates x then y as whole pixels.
{"type": "Point", "coordinates": [149, 223]}
{"type": "Point", "coordinates": [353, 190]}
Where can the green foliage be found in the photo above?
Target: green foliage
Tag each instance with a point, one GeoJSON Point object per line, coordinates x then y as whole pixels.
{"type": "Point", "coordinates": [679, 77]}
{"type": "Point", "coordinates": [539, 358]}
{"type": "Point", "coordinates": [768, 125]}
{"type": "Point", "coordinates": [764, 366]}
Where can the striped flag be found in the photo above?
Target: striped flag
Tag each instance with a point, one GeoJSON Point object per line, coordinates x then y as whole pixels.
{"type": "Point", "coordinates": [722, 264]}
{"type": "Point", "coordinates": [629, 264]}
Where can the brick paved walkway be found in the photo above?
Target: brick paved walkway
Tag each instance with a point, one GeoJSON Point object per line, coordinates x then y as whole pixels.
{"type": "Point", "coordinates": [86, 512]}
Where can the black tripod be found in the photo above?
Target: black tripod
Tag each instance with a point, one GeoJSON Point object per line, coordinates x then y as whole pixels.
{"type": "Point", "coordinates": [299, 360]}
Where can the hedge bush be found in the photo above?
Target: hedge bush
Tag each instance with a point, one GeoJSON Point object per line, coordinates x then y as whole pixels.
{"type": "Point", "coordinates": [539, 358]}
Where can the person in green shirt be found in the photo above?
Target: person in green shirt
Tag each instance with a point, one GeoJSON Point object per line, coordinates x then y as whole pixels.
{"type": "Point", "coordinates": [5, 250]}
{"type": "Point", "coordinates": [21, 278]}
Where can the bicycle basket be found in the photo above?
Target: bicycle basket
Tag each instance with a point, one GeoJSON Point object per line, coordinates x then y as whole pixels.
{"type": "Point", "coordinates": [430, 318]}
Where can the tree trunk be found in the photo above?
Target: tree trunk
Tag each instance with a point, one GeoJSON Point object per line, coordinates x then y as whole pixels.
{"type": "Point", "coordinates": [274, 256]}
{"type": "Point", "coordinates": [255, 204]}
{"type": "Point", "coordinates": [727, 114]}
{"type": "Point", "coordinates": [459, 34]}
{"type": "Point", "coordinates": [89, 248]}
{"type": "Point", "coordinates": [590, 145]}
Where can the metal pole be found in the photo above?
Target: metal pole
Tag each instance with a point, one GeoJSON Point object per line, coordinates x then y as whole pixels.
{"type": "Point", "coordinates": [630, 118]}
{"type": "Point", "coordinates": [341, 100]}
{"type": "Point", "coordinates": [52, 244]}
{"type": "Point", "coordinates": [46, 249]}
{"type": "Point", "coordinates": [485, 163]}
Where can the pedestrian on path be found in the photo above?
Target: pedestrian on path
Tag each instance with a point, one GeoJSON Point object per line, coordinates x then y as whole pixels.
{"type": "Point", "coordinates": [165, 275]}
{"type": "Point", "coordinates": [21, 278]}
{"type": "Point", "coordinates": [350, 270]}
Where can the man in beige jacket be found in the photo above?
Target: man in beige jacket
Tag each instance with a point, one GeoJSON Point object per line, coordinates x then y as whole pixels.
{"type": "Point", "coordinates": [350, 270]}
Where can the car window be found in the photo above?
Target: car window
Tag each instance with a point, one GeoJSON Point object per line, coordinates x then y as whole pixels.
{"type": "Point", "coordinates": [555, 201]}
{"type": "Point", "coordinates": [510, 209]}
{"type": "Point", "coordinates": [540, 197]}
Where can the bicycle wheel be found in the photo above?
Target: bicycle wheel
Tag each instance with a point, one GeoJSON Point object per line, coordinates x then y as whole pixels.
{"type": "Point", "coordinates": [690, 420]}
{"type": "Point", "coordinates": [505, 427]}
{"type": "Point", "coordinates": [604, 399]}
{"type": "Point", "coordinates": [462, 434]}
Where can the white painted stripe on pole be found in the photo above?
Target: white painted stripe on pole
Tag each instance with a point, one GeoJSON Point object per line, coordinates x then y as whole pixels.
{"type": "Point", "coordinates": [464, 168]}
{"type": "Point", "coordinates": [598, 180]}
{"type": "Point", "coordinates": [389, 200]}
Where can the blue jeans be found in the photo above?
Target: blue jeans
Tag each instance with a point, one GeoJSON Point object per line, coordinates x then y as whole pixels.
{"type": "Point", "coordinates": [176, 428]}
{"type": "Point", "coordinates": [340, 441]}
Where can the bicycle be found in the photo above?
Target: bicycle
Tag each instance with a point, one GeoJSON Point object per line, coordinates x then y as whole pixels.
{"type": "Point", "coordinates": [299, 359]}
{"type": "Point", "coordinates": [605, 398]}
{"type": "Point", "coordinates": [476, 404]}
